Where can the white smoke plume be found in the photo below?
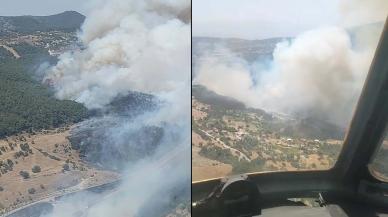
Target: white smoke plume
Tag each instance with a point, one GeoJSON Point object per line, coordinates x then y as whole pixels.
{"type": "Point", "coordinates": [358, 12]}
{"type": "Point", "coordinates": [147, 186]}
{"type": "Point", "coordinates": [319, 73]}
{"type": "Point", "coordinates": [141, 46]}
{"type": "Point", "coordinates": [130, 45]}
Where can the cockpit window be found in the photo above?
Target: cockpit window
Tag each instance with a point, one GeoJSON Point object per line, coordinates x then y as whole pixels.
{"type": "Point", "coordinates": [379, 165]}
{"type": "Point", "coordinates": [275, 99]}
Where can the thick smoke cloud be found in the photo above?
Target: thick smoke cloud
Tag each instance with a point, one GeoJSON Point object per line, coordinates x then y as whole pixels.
{"type": "Point", "coordinates": [316, 72]}
{"type": "Point", "coordinates": [319, 73]}
{"type": "Point", "coordinates": [130, 45]}
{"type": "Point", "coordinates": [357, 12]}
{"type": "Point", "coordinates": [141, 46]}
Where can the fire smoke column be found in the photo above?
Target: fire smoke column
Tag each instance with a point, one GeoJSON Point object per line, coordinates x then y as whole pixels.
{"type": "Point", "coordinates": [141, 46]}
{"type": "Point", "coordinates": [130, 45]}
{"type": "Point", "coordinates": [318, 73]}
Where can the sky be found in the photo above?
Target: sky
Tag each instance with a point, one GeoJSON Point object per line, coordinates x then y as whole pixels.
{"type": "Point", "coordinates": [39, 7]}
{"type": "Point", "coordinates": [249, 19]}
{"type": "Point", "coordinates": [256, 19]}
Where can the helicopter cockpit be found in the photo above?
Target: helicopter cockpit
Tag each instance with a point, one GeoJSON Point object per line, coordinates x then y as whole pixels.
{"type": "Point", "coordinates": [357, 184]}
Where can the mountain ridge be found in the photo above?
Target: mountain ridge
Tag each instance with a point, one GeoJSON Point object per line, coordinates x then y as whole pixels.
{"type": "Point", "coordinates": [65, 21]}
{"type": "Point", "coordinates": [304, 127]}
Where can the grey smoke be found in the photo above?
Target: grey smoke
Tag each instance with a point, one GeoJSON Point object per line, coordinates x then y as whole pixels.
{"type": "Point", "coordinates": [141, 46]}
{"type": "Point", "coordinates": [358, 12]}
{"type": "Point", "coordinates": [131, 45]}
{"type": "Point", "coordinates": [318, 73]}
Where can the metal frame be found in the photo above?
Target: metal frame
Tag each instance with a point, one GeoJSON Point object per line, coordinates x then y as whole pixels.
{"type": "Point", "coordinates": [361, 142]}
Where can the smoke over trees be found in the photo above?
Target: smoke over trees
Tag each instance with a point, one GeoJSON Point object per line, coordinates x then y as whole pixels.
{"type": "Point", "coordinates": [318, 73]}
{"type": "Point", "coordinates": [143, 47]}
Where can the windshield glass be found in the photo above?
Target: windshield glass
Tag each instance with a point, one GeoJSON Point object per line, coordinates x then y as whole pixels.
{"type": "Point", "coordinates": [379, 165]}
{"type": "Point", "coordinates": [275, 83]}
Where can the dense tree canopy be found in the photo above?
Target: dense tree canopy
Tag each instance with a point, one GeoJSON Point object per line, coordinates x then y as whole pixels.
{"type": "Point", "coordinates": [25, 104]}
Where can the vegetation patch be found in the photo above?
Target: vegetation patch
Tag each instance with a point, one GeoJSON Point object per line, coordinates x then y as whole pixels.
{"type": "Point", "coordinates": [28, 105]}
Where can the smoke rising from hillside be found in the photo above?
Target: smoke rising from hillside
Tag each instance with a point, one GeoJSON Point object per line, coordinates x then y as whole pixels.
{"type": "Point", "coordinates": [131, 45]}
{"type": "Point", "coordinates": [141, 46]}
{"type": "Point", "coordinates": [319, 73]}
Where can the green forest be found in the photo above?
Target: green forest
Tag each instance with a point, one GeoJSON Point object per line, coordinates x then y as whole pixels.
{"type": "Point", "coordinates": [25, 104]}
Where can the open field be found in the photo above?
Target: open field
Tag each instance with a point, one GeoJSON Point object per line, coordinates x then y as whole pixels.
{"type": "Point", "coordinates": [60, 167]}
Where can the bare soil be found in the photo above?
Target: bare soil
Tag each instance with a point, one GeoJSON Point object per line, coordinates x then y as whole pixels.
{"type": "Point", "coordinates": [51, 150]}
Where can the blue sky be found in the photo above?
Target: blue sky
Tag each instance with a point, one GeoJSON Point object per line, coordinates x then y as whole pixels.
{"type": "Point", "coordinates": [39, 7]}
{"type": "Point", "coordinates": [254, 19]}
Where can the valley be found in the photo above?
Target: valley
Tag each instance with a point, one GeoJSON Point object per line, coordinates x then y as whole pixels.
{"type": "Point", "coordinates": [230, 139]}
{"type": "Point", "coordinates": [53, 150]}
{"type": "Point", "coordinates": [36, 156]}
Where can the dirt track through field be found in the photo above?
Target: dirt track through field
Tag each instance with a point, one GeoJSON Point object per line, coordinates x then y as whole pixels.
{"type": "Point", "coordinates": [11, 50]}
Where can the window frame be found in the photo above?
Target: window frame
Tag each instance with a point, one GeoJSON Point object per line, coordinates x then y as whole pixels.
{"type": "Point", "coordinates": [371, 168]}
{"type": "Point", "coordinates": [361, 142]}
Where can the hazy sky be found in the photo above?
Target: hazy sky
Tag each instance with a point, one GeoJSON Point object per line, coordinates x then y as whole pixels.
{"type": "Point", "coordinates": [39, 7]}
{"type": "Point", "coordinates": [253, 19]}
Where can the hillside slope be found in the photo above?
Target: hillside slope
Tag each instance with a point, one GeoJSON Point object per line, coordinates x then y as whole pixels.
{"type": "Point", "coordinates": [309, 127]}
{"type": "Point", "coordinates": [26, 104]}
{"type": "Point", "coordinates": [66, 21]}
